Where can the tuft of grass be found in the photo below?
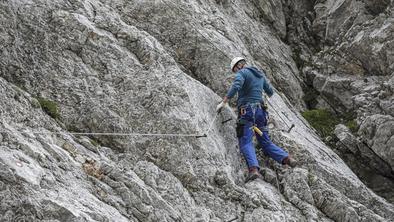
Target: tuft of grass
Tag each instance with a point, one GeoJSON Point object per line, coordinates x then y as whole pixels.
{"type": "Point", "coordinates": [311, 179]}
{"type": "Point", "coordinates": [352, 125]}
{"type": "Point", "coordinates": [322, 120]}
{"type": "Point", "coordinates": [49, 107]}
{"type": "Point", "coordinates": [35, 104]}
{"type": "Point", "coordinates": [94, 142]}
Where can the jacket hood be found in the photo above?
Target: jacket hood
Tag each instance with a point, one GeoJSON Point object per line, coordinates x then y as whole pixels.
{"type": "Point", "coordinates": [255, 72]}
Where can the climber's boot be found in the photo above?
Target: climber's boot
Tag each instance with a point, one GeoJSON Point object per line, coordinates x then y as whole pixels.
{"type": "Point", "coordinates": [253, 174]}
{"type": "Point", "coordinates": [290, 161]}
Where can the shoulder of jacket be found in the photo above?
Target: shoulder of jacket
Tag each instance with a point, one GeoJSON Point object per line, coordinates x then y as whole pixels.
{"type": "Point", "coordinates": [257, 69]}
{"type": "Point", "coordinates": [262, 72]}
{"type": "Point", "coordinates": [243, 72]}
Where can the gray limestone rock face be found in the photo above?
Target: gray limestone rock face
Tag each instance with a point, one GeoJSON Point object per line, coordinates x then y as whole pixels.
{"type": "Point", "coordinates": [378, 134]}
{"type": "Point", "coordinates": [368, 163]}
{"type": "Point", "coordinates": [74, 67]}
{"type": "Point", "coordinates": [346, 60]}
{"type": "Point", "coordinates": [356, 56]}
{"type": "Point", "coordinates": [203, 37]}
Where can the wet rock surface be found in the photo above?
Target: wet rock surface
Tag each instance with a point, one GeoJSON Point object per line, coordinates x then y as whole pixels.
{"type": "Point", "coordinates": [142, 66]}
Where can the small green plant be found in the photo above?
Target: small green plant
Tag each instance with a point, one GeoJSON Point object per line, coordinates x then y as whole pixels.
{"type": "Point", "coordinates": [352, 125]}
{"type": "Point", "coordinates": [94, 142]}
{"type": "Point", "coordinates": [20, 86]}
{"type": "Point", "coordinates": [72, 128]}
{"type": "Point", "coordinates": [49, 107]}
{"type": "Point", "coordinates": [322, 120]}
{"type": "Point", "coordinates": [34, 102]}
{"type": "Point", "coordinates": [311, 179]}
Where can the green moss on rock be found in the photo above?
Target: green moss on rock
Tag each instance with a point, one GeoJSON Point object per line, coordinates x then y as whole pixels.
{"type": "Point", "coordinates": [322, 120]}
{"type": "Point", "coordinates": [94, 142]}
{"type": "Point", "coordinates": [352, 125]}
{"type": "Point", "coordinates": [49, 107]}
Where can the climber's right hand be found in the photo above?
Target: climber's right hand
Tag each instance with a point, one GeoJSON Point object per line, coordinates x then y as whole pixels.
{"type": "Point", "coordinates": [222, 104]}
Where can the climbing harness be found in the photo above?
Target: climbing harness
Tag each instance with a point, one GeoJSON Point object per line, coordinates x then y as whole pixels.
{"type": "Point", "coordinates": [242, 111]}
{"type": "Point", "coordinates": [254, 127]}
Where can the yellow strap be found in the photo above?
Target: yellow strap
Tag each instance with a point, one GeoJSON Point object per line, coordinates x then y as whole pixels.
{"type": "Point", "coordinates": [257, 130]}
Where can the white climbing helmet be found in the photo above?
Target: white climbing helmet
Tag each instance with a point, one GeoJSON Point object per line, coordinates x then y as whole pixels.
{"type": "Point", "coordinates": [235, 61]}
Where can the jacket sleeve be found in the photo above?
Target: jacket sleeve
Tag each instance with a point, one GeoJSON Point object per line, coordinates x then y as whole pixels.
{"type": "Point", "coordinates": [267, 87]}
{"type": "Point", "coordinates": [236, 86]}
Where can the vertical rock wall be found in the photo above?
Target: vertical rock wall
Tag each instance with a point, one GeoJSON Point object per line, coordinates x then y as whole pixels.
{"type": "Point", "coordinates": [141, 66]}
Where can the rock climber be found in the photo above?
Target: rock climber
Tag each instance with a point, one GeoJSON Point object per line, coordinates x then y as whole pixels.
{"type": "Point", "coordinates": [250, 83]}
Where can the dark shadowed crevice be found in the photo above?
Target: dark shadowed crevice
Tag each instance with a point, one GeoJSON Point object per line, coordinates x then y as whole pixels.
{"type": "Point", "coordinates": [310, 55]}
{"type": "Point", "coordinates": [380, 183]}
{"type": "Point", "coordinates": [375, 7]}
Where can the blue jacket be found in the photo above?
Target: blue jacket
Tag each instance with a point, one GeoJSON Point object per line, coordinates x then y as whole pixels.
{"type": "Point", "coordinates": [249, 83]}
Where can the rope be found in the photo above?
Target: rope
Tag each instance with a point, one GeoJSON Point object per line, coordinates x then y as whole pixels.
{"type": "Point", "coordinates": [277, 184]}
{"type": "Point", "coordinates": [124, 134]}
{"type": "Point", "coordinates": [214, 119]}
{"type": "Point", "coordinates": [110, 134]}
{"type": "Point", "coordinates": [277, 113]}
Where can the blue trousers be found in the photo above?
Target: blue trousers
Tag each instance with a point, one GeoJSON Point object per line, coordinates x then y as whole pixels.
{"type": "Point", "coordinates": [250, 115]}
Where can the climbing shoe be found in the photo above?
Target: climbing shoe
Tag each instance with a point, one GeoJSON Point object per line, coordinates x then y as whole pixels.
{"type": "Point", "coordinates": [290, 161]}
{"type": "Point", "coordinates": [253, 174]}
